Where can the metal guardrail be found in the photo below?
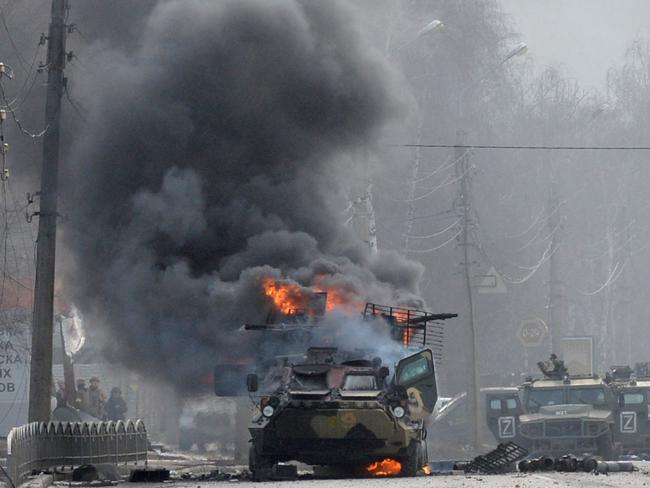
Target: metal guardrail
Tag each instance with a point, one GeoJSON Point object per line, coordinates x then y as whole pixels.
{"type": "Point", "coordinates": [43, 445]}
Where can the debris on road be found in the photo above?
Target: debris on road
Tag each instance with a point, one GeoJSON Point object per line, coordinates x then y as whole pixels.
{"type": "Point", "coordinates": [499, 460]}
{"type": "Point", "coordinates": [96, 472]}
{"type": "Point", "coordinates": [157, 475]}
{"type": "Point", "coordinates": [571, 464]}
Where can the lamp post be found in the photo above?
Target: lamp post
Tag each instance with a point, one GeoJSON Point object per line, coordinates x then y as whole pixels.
{"type": "Point", "coordinates": [463, 170]}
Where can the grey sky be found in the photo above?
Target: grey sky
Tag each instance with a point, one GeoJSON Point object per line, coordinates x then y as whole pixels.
{"type": "Point", "coordinates": [583, 37]}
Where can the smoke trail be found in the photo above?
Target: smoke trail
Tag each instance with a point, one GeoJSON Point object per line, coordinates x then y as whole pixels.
{"type": "Point", "coordinates": [213, 157]}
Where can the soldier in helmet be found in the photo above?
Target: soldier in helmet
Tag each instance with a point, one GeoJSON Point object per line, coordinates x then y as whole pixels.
{"type": "Point", "coordinates": [554, 368]}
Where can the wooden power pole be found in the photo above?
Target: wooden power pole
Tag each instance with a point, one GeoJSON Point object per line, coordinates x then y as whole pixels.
{"type": "Point", "coordinates": [40, 381]}
{"type": "Point", "coordinates": [463, 173]}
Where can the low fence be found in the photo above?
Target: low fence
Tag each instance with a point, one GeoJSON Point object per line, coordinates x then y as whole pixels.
{"type": "Point", "coordinates": [44, 445]}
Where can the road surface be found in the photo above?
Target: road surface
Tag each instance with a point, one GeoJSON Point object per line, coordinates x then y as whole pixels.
{"type": "Point", "coordinates": [639, 478]}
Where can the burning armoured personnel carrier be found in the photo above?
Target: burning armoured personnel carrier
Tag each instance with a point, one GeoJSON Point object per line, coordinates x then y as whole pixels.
{"type": "Point", "coordinates": [345, 410]}
{"type": "Point", "coordinates": [556, 415]}
{"type": "Point", "coordinates": [351, 391]}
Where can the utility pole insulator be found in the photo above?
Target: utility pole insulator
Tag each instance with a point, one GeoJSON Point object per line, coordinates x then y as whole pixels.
{"type": "Point", "coordinates": [40, 381]}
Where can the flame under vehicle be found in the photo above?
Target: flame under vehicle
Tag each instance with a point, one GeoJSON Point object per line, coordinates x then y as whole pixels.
{"type": "Point", "coordinates": [555, 416]}
{"type": "Point", "coordinates": [344, 410]}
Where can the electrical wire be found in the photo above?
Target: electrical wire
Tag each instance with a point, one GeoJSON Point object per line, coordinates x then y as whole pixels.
{"type": "Point", "coordinates": [74, 106]}
{"type": "Point", "coordinates": [15, 117]}
{"type": "Point", "coordinates": [548, 253]}
{"type": "Point", "coordinates": [535, 148]}
{"type": "Point", "coordinates": [22, 94]}
{"type": "Point", "coordinates": [448, 241]}
{"type": "Point", "coordinates": [435, 234]}
{"type": "Point", "coordinates": [614, 275]}
{"type": "Point", "coordinates": [19, 56]}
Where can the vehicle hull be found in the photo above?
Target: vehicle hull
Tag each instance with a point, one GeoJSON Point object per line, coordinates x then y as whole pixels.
{"type": "Point", "coordinates": [332, 436]}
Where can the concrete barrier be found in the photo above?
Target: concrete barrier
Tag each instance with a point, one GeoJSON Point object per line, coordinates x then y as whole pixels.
{"type": "Point", "coordinates": [39, 446]}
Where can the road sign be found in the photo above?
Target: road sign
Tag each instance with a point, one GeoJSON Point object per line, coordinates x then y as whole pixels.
{"type": "Point", "coordinates": [15, 344]}
{"type": "Point", "coordinates": [491, 282]}
{"type": "Point", "coordinates": [578, 354]}
{"type": "Point", "coordinates": [532, 332]}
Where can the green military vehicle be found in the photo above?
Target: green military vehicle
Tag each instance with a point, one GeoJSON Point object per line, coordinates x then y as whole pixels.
{"type": "Point", "coordinates": [345, 410]}
{"type": "Point", "coordinates": [556, 416]}
{"type": "Point", "coordinates": [568, 416]}
{"type": "Point", "coordinates": [632, 390]}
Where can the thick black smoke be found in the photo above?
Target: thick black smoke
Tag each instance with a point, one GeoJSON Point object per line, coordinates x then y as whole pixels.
{"type": "Point", "coordinates": [213, 157]}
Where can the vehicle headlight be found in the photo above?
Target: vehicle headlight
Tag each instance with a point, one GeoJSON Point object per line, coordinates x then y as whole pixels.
{"type": "Point", "coordinates": [399, 412]}
{"type": "Point", "coordinates": [268, 411]}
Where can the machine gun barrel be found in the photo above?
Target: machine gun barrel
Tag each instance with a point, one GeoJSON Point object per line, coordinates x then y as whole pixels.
{"type": "Point", "coordinates": [433, 316]}
{"type": "Point", "coordinates": [278, 326]}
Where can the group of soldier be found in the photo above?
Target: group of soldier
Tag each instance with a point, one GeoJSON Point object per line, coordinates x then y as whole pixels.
{"type": "Point", "coordinates": [93, 401]}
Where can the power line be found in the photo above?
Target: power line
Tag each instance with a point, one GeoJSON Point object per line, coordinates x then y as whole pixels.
{"type": "Point", "coordinates": [74, 105]}
{"type": "Point", "coordinates": [21, 60]}
{"type": "Point", "coordinates": [534, 148]}
{"type": "Point", "coordinates": [15, 117]}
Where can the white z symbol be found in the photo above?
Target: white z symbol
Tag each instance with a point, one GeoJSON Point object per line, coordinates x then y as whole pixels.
{"type": "Point", "coordinates": [506, 427]}
{"type": "Point", "coordinates": [628, 422]}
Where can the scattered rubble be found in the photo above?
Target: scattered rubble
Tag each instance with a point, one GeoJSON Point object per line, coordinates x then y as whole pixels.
{"type": "Point", "coordinates": [571, 464]}
{"type": "Point", "coordinates": [157, 475]}
{"type": "Point", "coordinates": [499, 460]}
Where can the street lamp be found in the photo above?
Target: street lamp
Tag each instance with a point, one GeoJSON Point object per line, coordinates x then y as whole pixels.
{"type": "Point", "coordinates": [430, 27]}
{"type": "Point", "coordinates": [518, 50]}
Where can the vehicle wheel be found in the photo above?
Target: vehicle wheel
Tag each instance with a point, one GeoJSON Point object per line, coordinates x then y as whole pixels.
{"type": "Point", "coordinates": [261, 467]}
{"type": "Point", "coordinates": [414, 462]}
{"type": "Point", "coordinates": [606, 448]}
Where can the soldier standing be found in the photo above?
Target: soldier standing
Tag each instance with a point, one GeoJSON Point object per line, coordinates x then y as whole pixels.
{"type": "Point", "coordinates": [81, 398]}
{"type": "Point", "coordinates": [558, 365]}
{"type": "Point", "coordinates": [115, 407]}
{"type": "Point", "coordinates": [96, 398]}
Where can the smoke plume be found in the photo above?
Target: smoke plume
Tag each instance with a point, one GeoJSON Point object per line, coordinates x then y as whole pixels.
{"type": "Point", "coordinates": [213, 157]}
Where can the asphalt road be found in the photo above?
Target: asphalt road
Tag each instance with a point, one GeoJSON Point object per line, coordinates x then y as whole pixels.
{"type": "Point", "coordinates": [546, 480]}
{"type": "Point", "coordinates": [639, 478]}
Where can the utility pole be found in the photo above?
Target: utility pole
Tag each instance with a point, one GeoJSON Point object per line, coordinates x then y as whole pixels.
{"type": "Point", "coordinates": [40, 381]}
{"type": "Point", "coordinates": [623, 290]}
{"type": "Point", "coordinates": [556, 300]}
{"type": "Point", "coordinates": [463, 172]}
{"type": "Point", "coordinates": [415, 171]}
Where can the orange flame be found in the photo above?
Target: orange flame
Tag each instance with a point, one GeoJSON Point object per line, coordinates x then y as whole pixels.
{"type": "Point", "coordinates": [406, 336]}
{"type": "Point", "coordinates": [338, 298]}
{"type": "Point", "coordinates": [291, 298]}
{"type": "Point", "coordinates": [426, 470]}
{"type": "Point", "coordinates": [407, 332]}
{"type": "Point", "coordinates": [386, 467]}
{"type": "Point", "coordinates": [287, 297]}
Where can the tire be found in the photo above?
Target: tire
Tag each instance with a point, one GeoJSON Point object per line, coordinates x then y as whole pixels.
{"type": "Point", "coordinates": [415, 460]}
{"type": "Point", "coordinates": [261, 467]}
{"type": "Point", "coordinates": [606, 447]}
